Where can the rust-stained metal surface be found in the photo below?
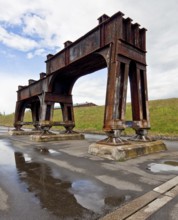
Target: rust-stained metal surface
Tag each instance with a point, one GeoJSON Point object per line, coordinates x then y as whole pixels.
{"type": "Point", "coordinates": [115, 43]}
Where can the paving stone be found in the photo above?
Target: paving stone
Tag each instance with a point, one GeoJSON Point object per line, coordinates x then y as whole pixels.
{"type": "Point", "coordinates": [173, 192]}
{"type": "Point", "coordinates": [132, 207]}
{"type": "Point", "coordinates": [167, 186]}
{"type": "Point", "coordinates": [3, 200]}
{"type": "Point", "coordinates": [152, 207]}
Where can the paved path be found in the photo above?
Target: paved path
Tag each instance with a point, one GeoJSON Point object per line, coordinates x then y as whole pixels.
{"type": "Point", "coordinates": [60, 180]}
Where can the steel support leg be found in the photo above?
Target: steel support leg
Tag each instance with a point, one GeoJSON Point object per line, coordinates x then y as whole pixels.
{"type": "Point", "coordinates": [19, 116]}
{"type": "Point", "coordinates": [46, 117]}
{"type": "Point", "coordinates": [115, 103]}
{"type": "Point", "coordinates": [139, 100]}
{"type": "Point", "coordinates": [35, 109]}
{"type": "Point", "coordinates": [141, 135]}
{"type": "Point", "coordinates": [114, 138]}
{"type": "Point", "coordinates": [68, 117]}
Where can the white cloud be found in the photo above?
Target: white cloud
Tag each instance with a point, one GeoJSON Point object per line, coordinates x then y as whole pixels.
{"type": "Point", "coordinates": [34, 25]}
{"type": "Point", "coordinates": [9, 86]}
{"type": "Point", "coordinates": [38, 27]}
{"type": "Point", "coordinates": [30, 55]}
{"type": "Point", "coordinates": [38, 52]}
{"type": "Point", "coordinates": [91, 88]}
{"type": "Point", "coordinates": [163, 84]}
{"type": "Point", "coordinates": [15, 41]}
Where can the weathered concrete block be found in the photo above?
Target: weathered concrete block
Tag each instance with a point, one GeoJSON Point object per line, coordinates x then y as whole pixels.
{"type": "Point", "coordinates": [31, 132]}
{"type": "Point", "coordinates": [126, 152]}
{"type": "Point", "coordinates": [57, 137]}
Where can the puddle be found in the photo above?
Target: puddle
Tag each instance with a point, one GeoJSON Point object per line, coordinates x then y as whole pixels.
{"type": "Point", "coordinates": [58, 196]}
{"type": "Point", "coordinates": [115, 201]}
{"type": "Point", "coordinates": [165, 166]}
{"type": "Point", "coordinates": [6, 156]}
{"type": "Point", "coordinates": [4, 129]}
{"type": "Point", "coordinates": [44, 150]}
{"type": "Point", "coordinates": [53, 151]}
{"type": "Point", "coordinates": [78, 199]}
{"type": "Point", "coordinates": [94, 137]}
{"type": "Point", "coordinates": [27, 158]}
{"type": "Point", "coordinates": [88, 194]}
{"type": "Point", "coordinates": [172, 163]}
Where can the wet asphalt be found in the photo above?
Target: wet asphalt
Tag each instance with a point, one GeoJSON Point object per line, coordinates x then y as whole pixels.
{"type": "Point", "coordinates": [60, 180]}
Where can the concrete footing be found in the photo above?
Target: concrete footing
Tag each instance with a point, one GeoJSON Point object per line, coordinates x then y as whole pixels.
{"type": "Point", "coordinates": [30, 132]}
{"type": "Point", "coordinates": [38, 136]}
{"type": "Point", "coordinates": [57, 137]}
{"type": "Point", "coordinates": [125, 152]}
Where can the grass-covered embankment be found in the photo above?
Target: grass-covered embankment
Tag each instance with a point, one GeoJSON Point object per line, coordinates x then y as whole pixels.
{"type": "Point", "coordinates": [163, 115]}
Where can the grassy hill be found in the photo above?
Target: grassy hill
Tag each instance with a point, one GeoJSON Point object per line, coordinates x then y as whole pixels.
{"type": "Point", "coordinates": [163, 116]}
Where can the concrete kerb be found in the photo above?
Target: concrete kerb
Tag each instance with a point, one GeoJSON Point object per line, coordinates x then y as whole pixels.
{"type": "Point", "coordinates": [145, 205]}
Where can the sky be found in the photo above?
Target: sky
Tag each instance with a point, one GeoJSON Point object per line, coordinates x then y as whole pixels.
{"type": "Point", "coordinates": [29, 30]}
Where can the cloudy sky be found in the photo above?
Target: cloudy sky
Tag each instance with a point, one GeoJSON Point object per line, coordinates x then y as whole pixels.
{"type": "Point", "coordinates": [29, 30]}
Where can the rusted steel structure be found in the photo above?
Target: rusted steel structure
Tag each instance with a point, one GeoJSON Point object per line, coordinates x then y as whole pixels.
{"type": "Point", "coordinates": [115, 43]}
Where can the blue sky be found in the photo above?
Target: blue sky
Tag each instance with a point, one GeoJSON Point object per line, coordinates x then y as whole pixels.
{"type": "Point", "coordinates": [29, 30]}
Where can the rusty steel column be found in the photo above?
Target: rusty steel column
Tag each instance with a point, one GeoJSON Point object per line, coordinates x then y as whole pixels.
{"type": "Point", "coordinates": [140, 113]}
{"type": "Point", "coordinates": [35, 110]}
{"type": "Point", "coordinates": [115, 102]}
{"type": "Point", "coordinates": [19, 115]}
{"type": "Point", "coordinates": [48, 99]}
{"type": "Point", "coordinates": [68, 117]}
{"type": "Point", "coordinates": [46, 115]}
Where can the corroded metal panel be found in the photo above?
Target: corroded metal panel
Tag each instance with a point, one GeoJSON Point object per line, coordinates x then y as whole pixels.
{"type": "Point", "coordinates": [85, 46]}
{"type": "Point", "coordinates": [131, 52]}
{"type": "Point", "coordinates": [57, 63]}
{"type": "Point", "coordinates": [34, 89]}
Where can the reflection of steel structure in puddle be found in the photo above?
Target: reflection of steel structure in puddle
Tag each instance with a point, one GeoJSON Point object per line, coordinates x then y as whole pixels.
{"type": "Point", "coordinates": [52, 193]}
{"type": "Point", "coordinates": [117, 44]}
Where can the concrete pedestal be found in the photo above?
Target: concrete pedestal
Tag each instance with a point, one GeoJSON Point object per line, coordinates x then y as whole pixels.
{"type": "Point", "coordinates": [30, 132]}
{"type": "Point", "coordinates": [57, 137]}
{"type": "Point", "coordinates": [125, 152]}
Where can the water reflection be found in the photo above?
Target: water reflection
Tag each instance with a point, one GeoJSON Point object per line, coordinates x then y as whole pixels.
{"type": "Point", "coordinates": [7, 156]}
{"type": "Point", "coordinates": [77, 199]}
{"type": "Point", "coordinates": [115, 201]}
{"type": "Point", "coordinates": [80, 199]}
{"type": "Point", "coordinates": [44, 150]}
{"type": "Point", "coordinates": [53, 193]}
{"type": "Point", "coordinates": [88, 194]}
{"type": "Point", "coordinates": [165, 166]}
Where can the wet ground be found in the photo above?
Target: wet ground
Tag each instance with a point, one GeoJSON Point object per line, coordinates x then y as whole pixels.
{"type": "Point", "coordinates": [60, 180]}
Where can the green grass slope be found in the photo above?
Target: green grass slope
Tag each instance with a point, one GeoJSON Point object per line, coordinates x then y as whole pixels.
{"type": "Point", "coordinates": [163, 117]}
